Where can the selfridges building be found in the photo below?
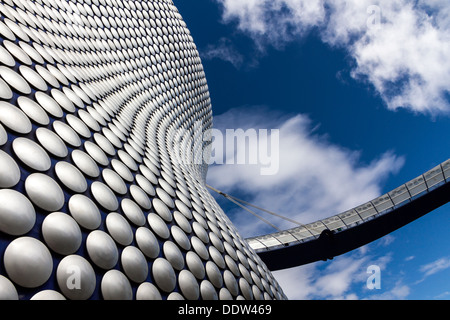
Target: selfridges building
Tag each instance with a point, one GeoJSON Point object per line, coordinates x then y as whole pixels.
{"type": "Point", "coordinates": [104, 107]}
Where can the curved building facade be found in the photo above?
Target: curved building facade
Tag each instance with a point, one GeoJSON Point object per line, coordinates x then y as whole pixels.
{"type": "Point", "coordinates": [104, 110]}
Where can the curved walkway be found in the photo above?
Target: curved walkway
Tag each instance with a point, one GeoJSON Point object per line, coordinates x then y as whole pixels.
{"type": "Point", "coordinates": [327, 238]}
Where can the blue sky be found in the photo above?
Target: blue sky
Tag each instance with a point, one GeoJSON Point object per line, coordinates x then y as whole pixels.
{"type": "Point", "coordinates": [360, 94]}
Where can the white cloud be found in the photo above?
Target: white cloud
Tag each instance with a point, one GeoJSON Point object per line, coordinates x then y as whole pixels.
{"type": "Point", "coordinates": [315, 180]}
{"type": "Point", "coordinates": [435, 266]}
{"type": "Point", "coordinates": [406, 60]}
{"type": "Point", "coordinates": [344, 278]}
{"type": "Point", "coordinates": [387, 240]}
{"type": "Point", "coordinates": [298, 283]}
{"type": "Point", "coordinates": [273, 22]}
{"type": "Point", "coordinates": [401, 47]}
{"type": "Point", "coordinates": [339, 276]}
{"type": "Point", "coordinates": [443, 296]}
{"type": "Point", "coordinates": [400, 291]}
{"type": "Point", "coordinates": [223, 50]}
{"type": "Point", "coordinates": [402, 51]}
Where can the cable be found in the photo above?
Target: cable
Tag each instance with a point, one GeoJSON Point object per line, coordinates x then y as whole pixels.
{"type": "Point", "coordinates": [236, 200]}
{"type": "Point", "coordinates": [270, 212]}
{"type": "Point", "coordinates": [256, 215]}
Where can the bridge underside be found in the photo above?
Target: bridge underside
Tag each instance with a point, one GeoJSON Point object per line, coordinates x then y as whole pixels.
{"type": "Point", "coordinates": [332, 244]}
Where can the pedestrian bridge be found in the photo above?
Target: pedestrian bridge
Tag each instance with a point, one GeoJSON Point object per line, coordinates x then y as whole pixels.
{"type": "Point", "coordinates": [341, 233]}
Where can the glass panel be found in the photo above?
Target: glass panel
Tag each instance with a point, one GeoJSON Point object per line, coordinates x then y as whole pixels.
{"type": "Point", "coordinates": [269, 241]}
{"type": "Point", "coordinates": [401, 198]}
{"type": "Point", "coordinates": [434, 176]}
{"type": "Point", "coordinates": [367, 214]}
{"type": "Point", "coordinates": [350, 217]}
{"type": "Point", "coordinates": [399, 195]}
{"type": "Point", "coordinates": [255, 244]}
{"type": "Point", "coordinates": [301, 233]}
{"type": "Point", "coordinates": [286, 237]}
{"type": "Point", "coordinates": [382, 203]}
{"type": "Point", "coordinates": [333, 223]}
{"type": "Point", "coordinates": [416, 186]}
{"type": "Point", "coordinates": [446, 168]}
{"type": "Point", "coordinates": [366, 210]}
{"type": "Point", "coordinates": [398, 191]}
{"type": "Point", "coordinates": [316, 228]}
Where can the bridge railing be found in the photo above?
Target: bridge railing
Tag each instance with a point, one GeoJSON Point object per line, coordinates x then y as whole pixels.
{"type": "Point", "coordinates": [384, 204]}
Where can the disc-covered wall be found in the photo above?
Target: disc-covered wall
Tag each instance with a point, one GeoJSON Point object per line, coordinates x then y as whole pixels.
{"type": "Point", "coordinates": [97, 200]}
